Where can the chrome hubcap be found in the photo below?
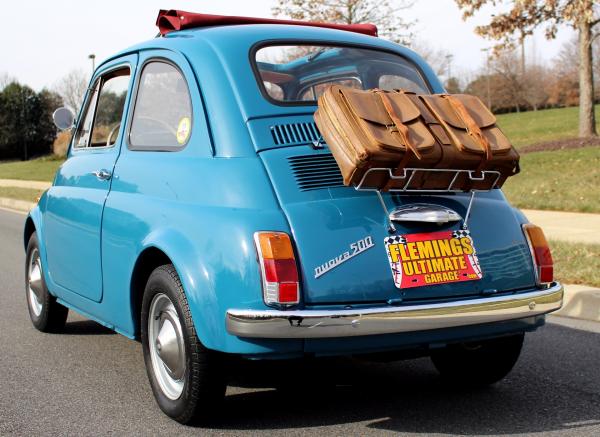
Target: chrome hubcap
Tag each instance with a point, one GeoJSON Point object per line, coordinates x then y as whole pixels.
{"type": "Point", "coordinates": [35, 286]}
{"type": "Point", "coordinates": [167, 350]}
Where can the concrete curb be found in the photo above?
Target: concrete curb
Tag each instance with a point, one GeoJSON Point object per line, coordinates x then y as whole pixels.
{"type": "Point", "coordinates": [16, 183]}
{"type": "Point", "coordinates": [16, 205]}
{"type": "Point", "coordinates": [581, 302]}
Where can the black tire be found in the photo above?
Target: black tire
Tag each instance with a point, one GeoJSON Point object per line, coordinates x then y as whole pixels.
{"type": "Point", "coordinates": [204, 381]}
{"type": "Point", "coordinates": [51, 316]}
{"type": "Point", "coordinates": [479, 363]}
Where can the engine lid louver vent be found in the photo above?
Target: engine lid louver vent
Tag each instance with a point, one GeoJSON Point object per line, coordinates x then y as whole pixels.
{"type": "Point", "coordinates": [314, 172]}
{"type": "Point", "coordinates": [295, 133]}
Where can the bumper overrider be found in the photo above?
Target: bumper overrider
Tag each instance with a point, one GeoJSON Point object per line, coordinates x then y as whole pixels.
{"type": "Point", "coordinates": [391, 320]}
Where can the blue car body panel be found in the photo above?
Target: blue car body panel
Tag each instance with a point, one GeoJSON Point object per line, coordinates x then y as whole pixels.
{"type": "Point", "coordinates": [200, 206]}
{"type": "Point", "coordinates": [74, 208]}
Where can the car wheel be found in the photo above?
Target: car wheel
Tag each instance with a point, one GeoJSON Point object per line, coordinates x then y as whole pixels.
{"type": "Point", "coordinates": [187, 379]}
{"type": "Point", "coordinates": [479, 363]}
{"type": "Point", "coordinates": [46, 314]}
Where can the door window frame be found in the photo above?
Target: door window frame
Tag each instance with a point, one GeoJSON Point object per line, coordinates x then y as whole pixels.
{"type": "Point", "coordinates": [85, 106]}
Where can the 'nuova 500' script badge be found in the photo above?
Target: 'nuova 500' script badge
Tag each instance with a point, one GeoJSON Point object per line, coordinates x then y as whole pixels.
{"type": "Point", "coordinates": [434, 258]}
{"type": "Point", "coordinates": [355, 249]}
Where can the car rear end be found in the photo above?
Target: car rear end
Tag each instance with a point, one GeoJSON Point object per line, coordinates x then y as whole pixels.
{"type": "Point", "coordinates": [346, 281]}
{"type": "Point", "coordinates": [358, 271]}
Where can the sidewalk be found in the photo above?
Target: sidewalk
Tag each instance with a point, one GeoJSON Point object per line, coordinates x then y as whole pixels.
{"type": "Point", "coordinates": [574, 227]}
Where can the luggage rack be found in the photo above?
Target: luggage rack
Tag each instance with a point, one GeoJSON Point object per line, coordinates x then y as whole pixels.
{"type": "Point", "coordinates": [490, 176]}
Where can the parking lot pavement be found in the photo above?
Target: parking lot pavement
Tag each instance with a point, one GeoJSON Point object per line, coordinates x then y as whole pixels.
{"type": "Point", "coordinates": [90, 381]}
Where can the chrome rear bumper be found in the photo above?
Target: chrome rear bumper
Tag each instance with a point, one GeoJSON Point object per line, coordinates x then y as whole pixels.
{"type": "Point", "coordinates": [390, 320]}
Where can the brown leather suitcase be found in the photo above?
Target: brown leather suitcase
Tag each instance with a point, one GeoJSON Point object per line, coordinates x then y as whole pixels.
{"type": "Point", "coordinates": [398, 130]}
{"type": "Point", "coordinates": [367, 129]}
{"type": "Point", "coordinates": [470, 139]}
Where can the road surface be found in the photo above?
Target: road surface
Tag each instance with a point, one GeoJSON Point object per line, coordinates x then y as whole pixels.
{"type": "Point", "coordinates": [89, 381]}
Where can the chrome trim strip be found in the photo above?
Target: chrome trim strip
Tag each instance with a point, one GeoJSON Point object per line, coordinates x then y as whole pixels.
{"type": "Point", "coordinates": [424, 213]}
{"type": "Point", "coordinates": [390, 320]}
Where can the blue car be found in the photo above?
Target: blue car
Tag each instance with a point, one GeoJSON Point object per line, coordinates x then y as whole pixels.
{"type": "Point", "coordinates": [200, 212]}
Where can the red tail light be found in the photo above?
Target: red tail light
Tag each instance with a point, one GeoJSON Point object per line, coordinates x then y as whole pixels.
{"type": "Point", "coordinates": [278, 268]}
{"type": "Point", "coordinates": [540, 252]}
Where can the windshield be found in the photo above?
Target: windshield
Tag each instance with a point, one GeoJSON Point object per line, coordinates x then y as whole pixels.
{"type": "Point", "coordinates": [300, 73]}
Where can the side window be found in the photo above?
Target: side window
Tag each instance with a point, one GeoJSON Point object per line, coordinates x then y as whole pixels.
{"type": "Point", "coordinates": [162, 117]}
{"type": "Point", "coordinates": [104, 112]}
{"type": "Point", "coordinates": [274, 90]}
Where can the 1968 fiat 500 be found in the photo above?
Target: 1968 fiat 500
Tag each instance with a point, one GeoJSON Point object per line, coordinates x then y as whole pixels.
{"type": "Point", "coordinates": [200, 212]}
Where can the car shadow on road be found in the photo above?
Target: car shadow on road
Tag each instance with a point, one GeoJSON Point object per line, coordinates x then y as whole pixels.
{"type": "Point", "coordinates": [86, 327]}
{"type": "Point", "coordinates": [405, 397]}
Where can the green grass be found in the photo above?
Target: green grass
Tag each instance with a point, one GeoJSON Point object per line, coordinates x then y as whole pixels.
{"type": "Point", "coordinates": [576, 263]}
{"type": "Point", "coordinates": [524, 128]}
{"type": "Point", "coordinates": [27, 194]}
{"type": "Point", "coordinates": [41, 169]}
{"type": "Point", "coordinates": [563, 180]}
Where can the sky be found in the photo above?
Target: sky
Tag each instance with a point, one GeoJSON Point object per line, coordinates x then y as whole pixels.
{"type": "Point", "coordinates": [43, 40]}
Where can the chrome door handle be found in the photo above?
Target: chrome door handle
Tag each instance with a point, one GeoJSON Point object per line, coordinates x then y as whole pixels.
{"type": "Point", "coordinates": [103, 175]}
{"type": "Point", "coordinates": [424, 213]}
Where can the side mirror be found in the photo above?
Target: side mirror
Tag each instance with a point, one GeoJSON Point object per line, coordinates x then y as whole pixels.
{"type": "Point", "coordinates": [63, 118]}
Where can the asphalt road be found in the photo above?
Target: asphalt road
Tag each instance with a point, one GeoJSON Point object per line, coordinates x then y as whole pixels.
{"type": "Point", "coordinates": [89, 381]}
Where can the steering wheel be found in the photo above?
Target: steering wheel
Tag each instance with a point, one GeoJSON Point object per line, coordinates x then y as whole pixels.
{"type": "Point", "coordinates": [164, 124]}
{"type": "Point", "coordinates": [111, 133]}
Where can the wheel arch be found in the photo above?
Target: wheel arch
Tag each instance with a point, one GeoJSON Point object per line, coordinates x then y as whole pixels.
{"type": "Point", "coordinates": [148, 260]}
{"type": "Point", "coordinates": [28, 231]}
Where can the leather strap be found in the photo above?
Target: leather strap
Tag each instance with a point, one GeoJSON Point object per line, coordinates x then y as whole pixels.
{"type": "Point", "coordinates": [402, 129]}
{"type": "Point", "coordinates": [453, 138]}
{"type": "Point", "coordinates": [404, 135]}
{"type": "Point", "coordinates": [473, 129]}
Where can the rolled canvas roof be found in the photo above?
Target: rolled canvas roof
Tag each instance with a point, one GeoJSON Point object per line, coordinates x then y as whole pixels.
{"type": "Point", "coordinates": [172, 20]}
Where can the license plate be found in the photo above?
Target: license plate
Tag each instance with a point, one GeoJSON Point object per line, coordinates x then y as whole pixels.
{"type": "Point", "coordinates": [419, 260]}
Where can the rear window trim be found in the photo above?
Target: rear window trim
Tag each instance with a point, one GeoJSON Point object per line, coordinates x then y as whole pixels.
{"type": "Point", "coordinates": [317, 42]}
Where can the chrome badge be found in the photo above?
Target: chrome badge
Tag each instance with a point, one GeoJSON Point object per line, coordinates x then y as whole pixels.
{"type": "Point", "coordinates": [355, 249]}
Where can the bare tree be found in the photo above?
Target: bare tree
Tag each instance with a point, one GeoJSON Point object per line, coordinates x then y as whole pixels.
{"type": "Point", "coordinates": [500, 83]}
{"type": "Point", "coordinates": [520, 18]}
{"type": "Point", "coordinates": [72, 88]}
{"type": "Point", "coordinates": [566, 64]}
{"type": "Point", "coordinates": [5, 79]}
{"type": "Point", "coordinates": [436, 58]}
{"type": "Point", "coordinates": [536, 82]}
{"type": "Point", "coordinates": [385, 14]}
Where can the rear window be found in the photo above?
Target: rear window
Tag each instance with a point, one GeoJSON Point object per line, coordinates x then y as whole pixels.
{"type": "Point", "coordinates": [301, 73]}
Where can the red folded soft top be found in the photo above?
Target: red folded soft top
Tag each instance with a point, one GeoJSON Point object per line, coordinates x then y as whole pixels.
{"type": "Point", "coordinates": [171, 20]}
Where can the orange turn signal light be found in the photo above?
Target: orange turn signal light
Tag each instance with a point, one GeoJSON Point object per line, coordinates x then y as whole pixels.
{"type": "Point", "coordinates": [275, 245]}
{"type": "Point", "coordinates": [278, 268]}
